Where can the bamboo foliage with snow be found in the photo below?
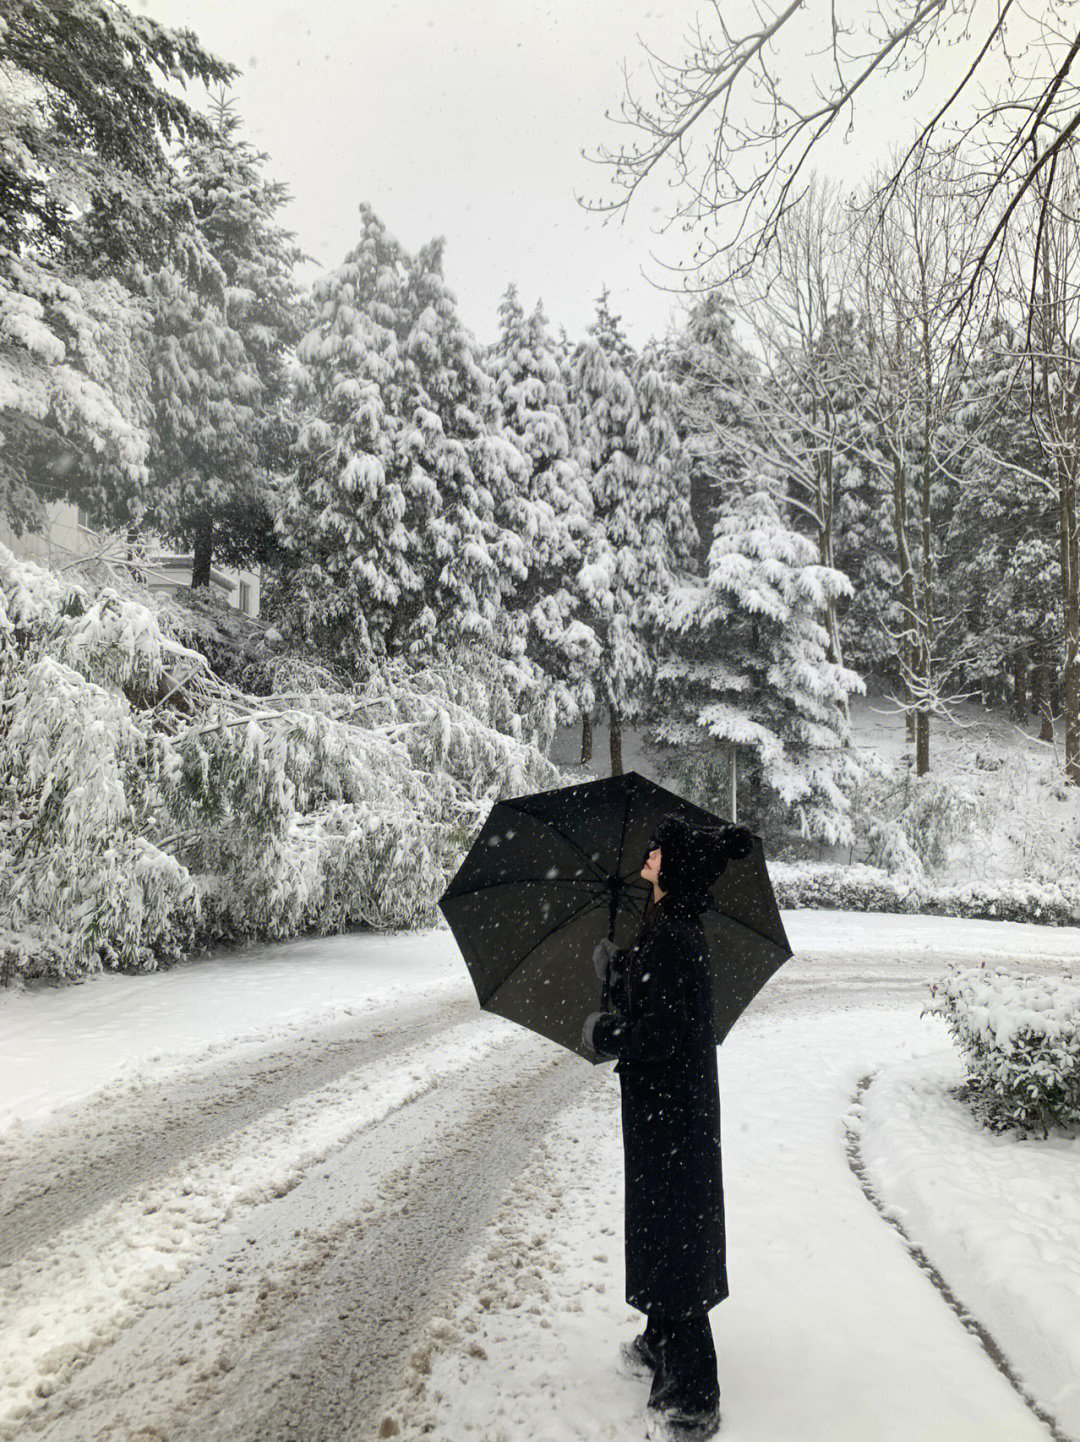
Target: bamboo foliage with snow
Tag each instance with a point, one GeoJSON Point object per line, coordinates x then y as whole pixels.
{"type": "Point", "coordinates": [148, 807]}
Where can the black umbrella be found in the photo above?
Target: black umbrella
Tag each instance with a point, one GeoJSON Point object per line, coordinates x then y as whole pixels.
{"type": "Point", "coordinates": [549, 875]}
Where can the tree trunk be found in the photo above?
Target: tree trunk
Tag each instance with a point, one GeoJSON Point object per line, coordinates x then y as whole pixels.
{"type": "Point", "coordinates": [202, 553]}
{"type": "Point", "coordinates": [586, 738]}
{"type": "Point", "coordinates": [615, 739]}
{"type": "Point", "coordinates": [1071, 617]}
{"type": "Point", "coordinates": [1060, 420]}
{"type": "Point", "coordinates": [907, 589]}
{"type": "Point", "coordinates": [732, 779]}
{"type": "Point", "coordinates": [833, 652]}
{"type": "Point", "coordinates": [1019, 680]}
{"type": "Point", "coordinates": [925, 615]}
{"type": "Point", "coordinates": [922, 742]}
{"type": "Point", "coordinates": [1041, 701]}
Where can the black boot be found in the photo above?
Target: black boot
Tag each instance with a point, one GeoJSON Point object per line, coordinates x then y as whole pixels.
{"type": "Point", "coordinates": [641, 1357]}
{"type": "Point", "coordinates": [685, 1398]}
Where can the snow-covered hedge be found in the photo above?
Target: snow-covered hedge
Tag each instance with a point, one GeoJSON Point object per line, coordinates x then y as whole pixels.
{"type": "Point", "coordinates": [147, 806]}
{"type": "Point", "coordinates": [1020, 1039]}
{"type": "Point", "coordinates": [868, 888]}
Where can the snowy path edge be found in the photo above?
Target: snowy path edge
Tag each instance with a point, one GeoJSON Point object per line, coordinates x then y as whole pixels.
{"type": "Point", "coordinates": [967, 1319]}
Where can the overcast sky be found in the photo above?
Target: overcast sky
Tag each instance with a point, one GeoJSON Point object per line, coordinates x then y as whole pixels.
{"type": "Point", "coordinates": [467, 118]}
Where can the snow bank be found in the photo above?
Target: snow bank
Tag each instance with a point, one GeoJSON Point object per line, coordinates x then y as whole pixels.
{"type": "Point", "coordinates": [997, 1215]}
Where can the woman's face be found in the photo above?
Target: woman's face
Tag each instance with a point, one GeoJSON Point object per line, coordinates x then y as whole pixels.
{"type": "Point", "coordinates": [651, 870]}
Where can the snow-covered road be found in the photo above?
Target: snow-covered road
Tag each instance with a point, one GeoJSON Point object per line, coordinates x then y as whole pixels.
{"type": "Point", "coordinates": [314, 1195]}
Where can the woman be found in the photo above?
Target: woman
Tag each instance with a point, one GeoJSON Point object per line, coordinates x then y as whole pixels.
{"type": "Point", "coordinates": [656, 1020]}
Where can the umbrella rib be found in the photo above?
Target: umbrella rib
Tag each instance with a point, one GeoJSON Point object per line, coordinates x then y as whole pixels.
{"type": "Point", "coordinates": [543, 821]}
{"type": "Point", "coordinates": [523, 959]}
{"type": "Point", "coordinates": [536, 881]}
{"type": "Point", "coordinates": [753, 930]}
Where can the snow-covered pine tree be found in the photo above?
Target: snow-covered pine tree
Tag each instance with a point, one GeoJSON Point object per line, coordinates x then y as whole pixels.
{"type": "Point", "coordinates": [224, 321]}
{"type": "Point", "coordinates": [87, 112]}
{"type": "Point", "coordinates": [204, 394]}
{"type": "Point", "coordinates": [552, 508]}
{"type": "Point", "coordinates": [353, 515]}
{"type": "Point", "coordinates": [476, 594]}
{"type": "Point", "coordinates": [565, 351]}
{"type": "Point", "coordinates": [643, 531]}
{"type": "Point", "coordinates": [608, 332]}
{"type": "Point", "coordinates": [396, 515]}
{"type": "Point", "coordinates": [72, 374]}
{"type": "Point", "coordinates": [236, 208]}
{"type": "Point", "coordinates": [452, 435]}
{"type": "Point", "coordinates": [711, 376]}
{"type": "Point", "coordinates": [746, 674]}
{"type": "Point", "coordinates": [661, 494]}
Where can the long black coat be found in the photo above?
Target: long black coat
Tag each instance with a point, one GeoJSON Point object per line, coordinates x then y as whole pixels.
{"type": "Point", "coordinates": [658, 1026]}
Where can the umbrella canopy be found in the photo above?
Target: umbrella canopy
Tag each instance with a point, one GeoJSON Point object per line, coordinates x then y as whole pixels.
{"type": "Point", "coordinates": [549, 875]}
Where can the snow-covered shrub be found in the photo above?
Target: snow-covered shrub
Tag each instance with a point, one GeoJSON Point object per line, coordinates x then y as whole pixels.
{"type": "Point", "coordinates": [908, 824]}
{"type": "Point", "coordinates": [866, 888]}
{"type": "Point", "coordinates": [1054, 903]}
{"type": "Point", "coordinates": [30, 957]}
{"type": "Point", "coordinates": [147, 806]}
{"type": "Point", "coordinates": [819, 886]}
{"type": "Point", "coordinates": [1020, 1039]}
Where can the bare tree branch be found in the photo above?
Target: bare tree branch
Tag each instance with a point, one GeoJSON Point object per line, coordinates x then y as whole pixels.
{"type": "Point", "coordinates": [759, 133]}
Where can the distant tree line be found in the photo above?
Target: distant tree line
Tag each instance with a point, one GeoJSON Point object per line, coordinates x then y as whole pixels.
{"type": "Point", "coordinates": [828, 466]}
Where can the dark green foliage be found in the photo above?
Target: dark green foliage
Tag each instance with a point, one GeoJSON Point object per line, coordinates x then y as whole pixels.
{"type": "Point", "coordinates": [100, 118]}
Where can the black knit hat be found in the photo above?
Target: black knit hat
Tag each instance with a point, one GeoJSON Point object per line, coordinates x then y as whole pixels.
{"type": "Point", "coordinates": [692, 857]}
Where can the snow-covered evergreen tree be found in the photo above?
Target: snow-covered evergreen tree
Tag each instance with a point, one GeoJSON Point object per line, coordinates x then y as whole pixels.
{"type": "Point", "coordinates": [712, 378]}
{"type": "Point", "coordinates": [71, 377]}
{"type": "Point", "coordinates": [224, 318]}
{"type": "Point", "coordinates": [746, 675]}
{"type": "Point", "coordinates": [391, 515]}
{"type": "Point", "coordinates": [552, 508]}
{"type": "Point", "coordinates": [643, 532]}
{"type": "Point", "coordinates": [87, 112]}
{"type": "Point", "coordinates": [355, 510]}
{"type": "Point", "coordinates": [400, 515]}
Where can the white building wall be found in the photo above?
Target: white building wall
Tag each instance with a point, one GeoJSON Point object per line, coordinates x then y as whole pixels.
{"type": "Point", "coordinates": [66, 538]}
{"type": "Point", "coordinates": [63, 539]}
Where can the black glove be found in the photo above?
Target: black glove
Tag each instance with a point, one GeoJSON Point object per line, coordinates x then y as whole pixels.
{"type": "Point", "coordinates": [588, 1029]}
{"type": "Point", "coordinates": [592, 1021]}
{"type": "Point", "coordinates": [601, 957]}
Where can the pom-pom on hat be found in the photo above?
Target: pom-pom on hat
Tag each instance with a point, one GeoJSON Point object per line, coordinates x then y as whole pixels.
{"type": "Point", "coordinates": [692, 857]}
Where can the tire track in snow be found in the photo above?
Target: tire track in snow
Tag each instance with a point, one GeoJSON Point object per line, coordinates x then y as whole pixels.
{"type": "Point", "coordinates": [66, 1298]}
{"type": "Point", "coordinates": [303, 1317]}
{"type": "Point", "coordinates": [967, 1320]}
{"type": "Point", "coordinates": [132, 1133]}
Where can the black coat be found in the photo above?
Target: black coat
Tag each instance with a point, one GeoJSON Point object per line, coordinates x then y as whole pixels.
{"type": "Point", "coordinates": [658, 1026]}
